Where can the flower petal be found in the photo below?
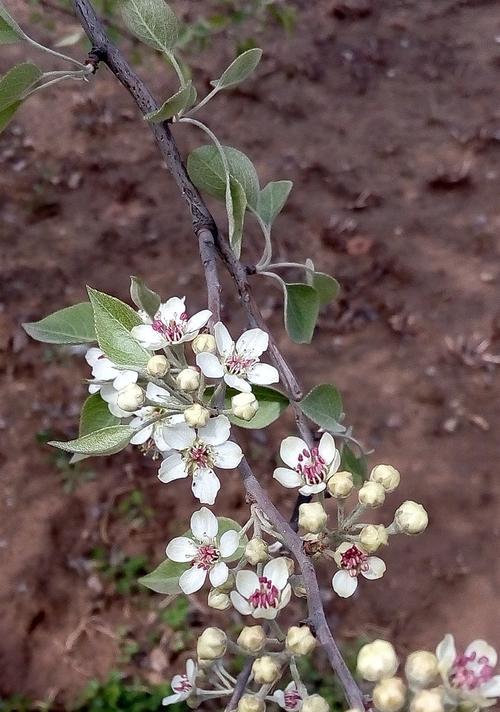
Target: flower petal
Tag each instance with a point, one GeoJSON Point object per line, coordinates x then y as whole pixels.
{"type": "Point", "coordinates": [148, 337]}
{"type": "Point", "coordinates": [205, 486]}
{"type": "Point", "coordinates": [179, 436]}
{"type": "Point", "coordinates": [252, 343]}
{"type": "Point", "coordinates": [157, 394]}
{"type": "Point", "coordinates": [240, 603]}
{"type": "Point", "coordinates": [228, 455]}
{"type": "Point", "coordinates": [93, 355]}
{"type": "Point", "coordinates": [218, 575]}
{"type": "Point", "coordinates": [141, 435]}
{"type": "Point", "coordinates": [181, 549]}
{"type": "Point", "coordinates": [262, 374]}
{"type": "Point", "coordinates": [171, 699]}
{"type": "Point", "coordinates": [209, 365]}
{"type": "Point", "coordinates": [191, 670]}
{"type": "Point", "coordinates": [285, 596]}
{"type": "Point", "coordinates": [326, 448]}
{"type": "Point", "coordinates": [286, 477]}
{"type": "Point", "coordinates": [223, 339]}
{"type": "Point", "coordinates": [491, 688]}
{"type": "Point", "coordinates": [446, 653]}
{"type": "Point", "coordinates": [247, 582]}
{"type": "Point", "coordinates": [343, 584]}
{"type": "Point", "coordinates": [290, 450]}
{"type": "Point", "coordinates": [172, 468]}
{"type": "Point", "coordinates": [277, 571]}
{"type": "Point", "coordinates": [237, 383]}
{"type": "Point", "coordinates": [104, 370]}
{"type": "Point", "coordinates": [481, 649]}
{"type": "Point", "coordinates": [204, 525]}
{"type": "Point", "coordinates": [172, 309]}
{"type": "Point", "coordinates": [125, 378]}
{"type": "Point", "coordinates": [216, 431]}
{"type": "Point", "coordinates": [192, 580]}
{"type": "Point", "coordinates": [198, 321]}
{"type": "Point", "coordinates": [376, 568]}
{"type": "Point", "coordinates": [312, 489]}
{"type": "Point", "coordinates": [229, 543]}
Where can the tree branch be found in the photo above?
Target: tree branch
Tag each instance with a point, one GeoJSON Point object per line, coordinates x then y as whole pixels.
{"type": "Point", "coordinates": [210, 240]}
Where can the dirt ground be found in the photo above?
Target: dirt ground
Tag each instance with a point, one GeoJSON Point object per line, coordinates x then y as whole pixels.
{"type": "Point", "coordinates": [388, 122]}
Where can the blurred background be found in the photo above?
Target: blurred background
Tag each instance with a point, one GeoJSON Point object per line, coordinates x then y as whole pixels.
{"type": "Point", "coordinates": [385, 114]}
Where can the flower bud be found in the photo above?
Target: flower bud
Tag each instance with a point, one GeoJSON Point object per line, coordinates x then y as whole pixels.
{"type": "Point", "coordinates": [312, 517]}
{"type": "Point", "coordinates": [411, 518]}
{"type": "Point", "coordinates": [218, 599]}
{"type": "Point", "coordinates": [371, 494]}
{"type": "Point", "coordinates": [300, 640]}
{"type": "Point", "coordinates": [256, 551]}
{"type": "Point", "coordinates": [389, 695]}
{"type": "Point", "coordinates": [196, 416]}
{"type": "Point", "coordinates": [244, 405]}
{"type": "Point", "coordinates": [251, 703]}
{"type": "Point", "coordinates": [211, 644]}
{"type": "Point", "coordinates": [340, 485]}
{"type": "Point", "coordinates": [427, 701]}
{"type": "Point", "coordinates": [421, 668]}
{"type": "Point", "coordinates": [188, 379]}
{"type": "Point", "coordinates": [204, 343]}
{"type": "Point", "coordinates": [377, 660]}
{"type": "Point", "coordinates": [387, 476]}
{"type": "Point", "coordinates": [193, 702]}
{"type": "Point", "coordinates": [315, 703]}
{"type": "Point", "coordinates": [372, 537]}
{"type": "Point", "coordinates": [131, 398]}
{"type": "Point", "coordinates": [158, 366]}
{"type": "Point", "coordinates": [266, 670]}
{"type": "Point", "coordinates": [252, 639]}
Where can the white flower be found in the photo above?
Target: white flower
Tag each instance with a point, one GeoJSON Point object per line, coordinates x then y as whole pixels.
{"type": "Point", "coordinates": [353, 561]}
{"type": "Point", "coordinates": [468, 676]}
{"type": "Point", "coordinates": [182, 685]}
{"type": "Point", "coordinates": [163, 401]}
{"type": "Point", "coordinates": [205, 551]}
{"type": "Point", "coordinates": [288, 699]}
{"type": "Point", "coordinates": [197, 452]}
{"type": "Point", "coordinates": [263, 596]}
{"type": "Point", "coordinates": [170, 325]}
{"type": "Point", "coordinates": [103, 369]}
{"type": "Point", "coordinates": [238, 363]}
{"type": "Point", "coordinates": [307, 468]}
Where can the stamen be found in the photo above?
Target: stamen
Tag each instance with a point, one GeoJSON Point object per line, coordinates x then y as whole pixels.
{"type": "Point", "coordinates": [206, 557]}
{"type": "Point", "coordinates": [311, 466]}
{"type": "Point", "coordinates": [266, 596]}
{"type": "Point", "coordinates": [469, 673]}
{"type": "Point", "coordinates": [354, 561]}
{"type": "Point", "coordinates": [183, 685]}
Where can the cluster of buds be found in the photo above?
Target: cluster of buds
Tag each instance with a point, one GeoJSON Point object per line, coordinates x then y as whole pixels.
{"type": "Point", "coordinates": [433, 682]}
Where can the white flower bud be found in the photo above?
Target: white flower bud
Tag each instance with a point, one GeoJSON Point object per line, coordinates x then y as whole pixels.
{"type": "Point", "coordinates": [211, 644]}
{"type": "Point", "coordinates": [389, 695]}
{"type": "Point", "coordinates": [387, 476]}
{"type": "Point", "coordinates": [300, 640]}
{"type": "Point", "coordinates": [251, 703]}
{"type": "Point", "coordinates": [372, 537]}
{"type": "Point", "coordinates": [298, 586]}
{"type": "Point", "coordinates": [427, 701]}
{"type": "Point", "coordinates": [131, 398]}
{"type": "Point", "coordinates": [218, 599]}
{"type": "Point", "coordinates": [188, 379]}
{"type": "Point", "coordinates": [256, 551]}
{"type": "Point", "coordinates": [266, 670]}
{"type": "Point", "coordinates": [158, 366]}
{"type": "Point", "coordinates": [372, 494]}
{"type": "Point", "coordinates": [252, 639]}
{"type": "Point", "coordinates": [204, 343]}
{"type": "Point", "coordinates": [421, 668]}
{"type": "Point", "coordinates": [377, 660]}
{"type": "Point", "coordinates": [196, 415]}
{"type": "Point", "coordinates": [340, 485]}
{"type": "Point", "coordinates": [315, 703]}
{"type": "Point", "coordinates": [244, 405]}
{"type": "Point", "coordinates": [411, 518]}
{"type": "Point", "coordinates": [312, 517]}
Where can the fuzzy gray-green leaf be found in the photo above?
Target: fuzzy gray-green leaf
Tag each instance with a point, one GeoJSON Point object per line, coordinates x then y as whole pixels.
{"type": "Point", "coordinates": [107, 441]}
{"type": "Point", "coordinates": [165, 578]}
{"type": "Point", "coordinates": [153, 22]}
{"type": "Point", "coordinates": [17, 82]}
{"type": "Point", "coordinates": [95, 415]}
{"type": "Point", "coordinates": [301, 312]}
{"type": "Point", "coordinates": [323, 405]}
{"type": "Point", "coordinates": [9, 29]}
{"type": "Point", "coordinates": [239, 70]}
{"type": "Point", "coordinates": [272, 200]}
{"type": "Point", "coordinates": [172, 106]}
{"type": "Point", "coordinates": [143, 297]}
{"type": "Point", "coordinates": [72, 325]}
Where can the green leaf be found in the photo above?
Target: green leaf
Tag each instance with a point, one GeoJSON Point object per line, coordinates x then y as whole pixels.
{"type": "Point", "coordinates": [9, 29]}
{"type": "Point", "coordinates": [358, 466]}
{"type": "Point", "coordinates": [107, 441]}
{"type": "Point", "coordinates": [72, 325]}
{"type": "Point", "coordinates": [143, 297]}
{"type": "Point", "coordinates": [152, 21]}
{"type": "Point", "coordinates": [17, 82]}
{"type": "Point", "coordinates": [272, 200]}
{"type": "Point", "coordinates": [323, 405]}
{"type": "Point", "coordinates": [178, 102]}
{"type": "Point", "coordinates": [301, 312]}
{"type": "Point", "coordinates": [165, 578]}
{"type": "Point", "coordinates": [206, 170]}
{"type": "Point", "coordinates": [95, 415]}
{"type": "Point", "coordinates": [327, 287]}
{"type": "Point", "coordinates": [113, 321]}
{"type": "Point", "coordinates": [236, 205]}
{"type": "Point", "coordinates": [272, 404]}
{"type": "Point", "coordinates": [7, 114]}
{"type": "Point", "coordinates": [239, 70]}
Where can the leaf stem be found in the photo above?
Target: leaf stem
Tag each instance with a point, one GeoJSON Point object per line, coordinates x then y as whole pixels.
{"type": "Point", "coordinates": [54, 53]}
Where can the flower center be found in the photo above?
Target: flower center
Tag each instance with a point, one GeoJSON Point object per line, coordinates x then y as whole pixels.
{"type": "Point", "coordinates": [206, 557]}
{"type": "Point", "coordinates": [238, 365]}
{"type": "Point", "coordinates": [183, 685]}
{"type": "Point", "coordinates": [174, 330]}
{"type": "Point", "coordinates": [199, 456]}
{"type": "Point", "coordinates": [266, 596]}
{"type": "Point", "coordinates": [292, 699]}
{"type": "Point", "coordinates": [470, 672]}
{"type": "Point", "coordinates": [311, 466]}
{"type": "Point", "coordinates": [354, 561]}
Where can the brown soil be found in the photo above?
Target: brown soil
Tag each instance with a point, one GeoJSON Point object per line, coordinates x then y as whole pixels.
{"type": "Point", "coordinates": [387, 121]}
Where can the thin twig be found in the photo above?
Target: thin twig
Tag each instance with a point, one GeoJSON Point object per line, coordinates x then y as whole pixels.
{"type": "Point", "coordinates": [240, 687]}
